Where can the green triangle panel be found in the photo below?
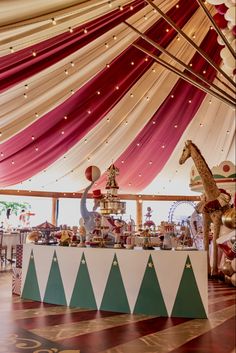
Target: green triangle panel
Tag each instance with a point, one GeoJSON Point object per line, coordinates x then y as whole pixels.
{"type": "Point", "coordinates": [55, 293]}
{"type": "Point", "coordinates": [188, 302]}
{"type": "Point", "coordinates": [31, 286]}
{"type": "Point", "coordinates": [150, 300]}
{"type": "Point", "coordinates": [114, 297]}
{"type": "Point", "coordinates": [83, 295]}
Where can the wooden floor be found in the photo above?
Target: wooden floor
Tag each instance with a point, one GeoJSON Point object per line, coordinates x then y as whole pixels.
{"type": "Point", "coordinates": [33, 327]}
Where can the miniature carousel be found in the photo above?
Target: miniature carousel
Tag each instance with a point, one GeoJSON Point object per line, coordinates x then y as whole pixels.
{"type": "Point", "coordinates": [101, 228]}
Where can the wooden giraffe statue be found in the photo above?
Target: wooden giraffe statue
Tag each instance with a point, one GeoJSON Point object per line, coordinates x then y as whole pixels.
{"type": "Point", "coordinates": [213, 203]}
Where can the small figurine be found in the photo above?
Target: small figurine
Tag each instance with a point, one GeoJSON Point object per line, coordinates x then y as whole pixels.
{"type": "Point", "coordinates": [65, 238]}
{"type": "Point", "coordinates": [82, 236]}
{"type": "Point", "coordinates": [112, 173]}
{"type": "Point", "coordinates": [97, 230]}
{"type": "Point", "coordinates": [148, 222]}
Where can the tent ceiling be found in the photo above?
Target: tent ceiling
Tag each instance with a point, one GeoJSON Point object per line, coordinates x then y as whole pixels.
{"type": "Point", "coordinates": [76, 91]}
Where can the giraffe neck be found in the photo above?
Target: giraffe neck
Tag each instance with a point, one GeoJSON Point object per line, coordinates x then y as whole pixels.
{"type": "Point", "coordinates": [210, 188]}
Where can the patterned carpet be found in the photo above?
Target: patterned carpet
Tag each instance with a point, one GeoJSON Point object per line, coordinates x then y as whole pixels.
{"type": "Point", "coordinates": [35, 327]}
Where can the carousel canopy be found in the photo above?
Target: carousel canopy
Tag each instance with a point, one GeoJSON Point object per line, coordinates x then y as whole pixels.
{"type": "Point", "coordinates": [126, 82]}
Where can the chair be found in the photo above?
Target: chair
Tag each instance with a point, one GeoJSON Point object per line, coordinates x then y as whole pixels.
{"type": "Point", "coordinates": [3, 248]}
{"type": "Point", "coordinates": [21, 240]}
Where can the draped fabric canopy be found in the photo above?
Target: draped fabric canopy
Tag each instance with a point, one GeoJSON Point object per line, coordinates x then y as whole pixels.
{"type": "Point", "coordinates": [76, 90]}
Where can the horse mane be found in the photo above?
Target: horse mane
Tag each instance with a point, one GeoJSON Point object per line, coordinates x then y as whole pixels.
{"type": "Point", "coordinates": [197, 149]}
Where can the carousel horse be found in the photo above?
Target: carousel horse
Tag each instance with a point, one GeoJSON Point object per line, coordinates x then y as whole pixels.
{"type": "Point", "coordinates": [213, 204]}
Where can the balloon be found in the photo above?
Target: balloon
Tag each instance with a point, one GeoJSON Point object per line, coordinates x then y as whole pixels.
{"type": "Point", "coordinates": [220, 20]}
{"type": "Point", "coordinates": [92, 173]}
{"type": "Point", "coordinates": [221, 9]}
{"type": "Point", "coordinates": [227, 268]}
{"type": "Point", "coordinates": [233, 279]}
{"type": "Point", "coordinates": [233, 264]}
{"type": "Point", "coordinates": [233, 239]}
{"type": "Point", "coordinates": [234, 30]}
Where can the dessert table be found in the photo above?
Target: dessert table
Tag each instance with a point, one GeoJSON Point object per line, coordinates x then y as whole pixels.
{"type": "Point", "coordinates": [152, 282]}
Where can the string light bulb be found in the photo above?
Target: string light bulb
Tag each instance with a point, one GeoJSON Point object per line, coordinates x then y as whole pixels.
{"type": "Point", "coordinates": [70, 29]}
{"type": "Point", "coordinates": [11, 49]}
{"type": "Point", "coordinates": [54, 22]}
{"type": "Point", "coordinates": [34, 53]}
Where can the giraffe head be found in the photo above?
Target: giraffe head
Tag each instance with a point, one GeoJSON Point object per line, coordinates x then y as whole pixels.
{"type": "Point", "coordinates": [186, 152]}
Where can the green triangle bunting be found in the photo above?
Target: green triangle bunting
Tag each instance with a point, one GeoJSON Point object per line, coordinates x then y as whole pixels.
{"type": "Point", "coordinates": [55, 293]}
{"type": "Point", "coordinates": [114, 297]}
{"type": "Point", "coordinates": [150, 300]}
{"type": "Point", "coordinates": [83, 295]}
{"type": "Point", "coordinates": [31, 286]}
{"type": "Point", "coordinates": [188, 302]}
